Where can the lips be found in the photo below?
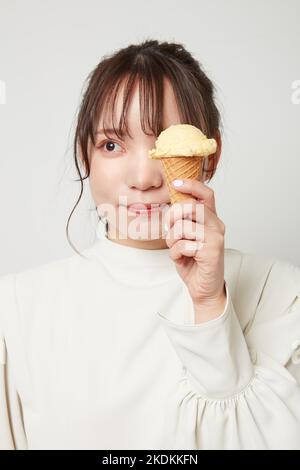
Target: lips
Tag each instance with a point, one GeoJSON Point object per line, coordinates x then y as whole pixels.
{"type": "Point", "coordinates": [143, 206]}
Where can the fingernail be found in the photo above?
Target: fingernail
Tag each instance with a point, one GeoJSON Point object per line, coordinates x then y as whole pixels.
{"type": "Point", "coordinates": [166, 227]}
{"type": "Point", "coordinates": [190, 246]}
{"type": "Point", "coordinates": [193, 245]}
{"type": "Point", "coordinates": [177, 183]}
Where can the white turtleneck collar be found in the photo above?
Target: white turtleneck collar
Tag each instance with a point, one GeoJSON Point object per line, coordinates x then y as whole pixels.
{"type": "Point", "coordinates": [132, 265]}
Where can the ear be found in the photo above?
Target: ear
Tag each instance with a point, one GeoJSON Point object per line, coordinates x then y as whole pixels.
{"type": "Point", "coordinates": [212, 161]}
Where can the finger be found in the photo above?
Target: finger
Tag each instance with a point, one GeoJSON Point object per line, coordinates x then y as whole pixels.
{"type": "Point", "coordinates": [198, 190]}
{"type": "Point", "coordinates": [189, 248]}
{"type": "Point", "coordinates": [213, 246]}
{"type": "Point", "coordinates": [192, 210]}
{"type": "Point", "coordinates": [184, 229]}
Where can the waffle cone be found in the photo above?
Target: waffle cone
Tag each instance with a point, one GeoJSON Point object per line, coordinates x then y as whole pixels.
{"type": "Point", "coordinates": [181, 168]}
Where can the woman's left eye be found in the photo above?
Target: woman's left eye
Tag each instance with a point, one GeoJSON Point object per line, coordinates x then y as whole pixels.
{"type": "Point", "coordinates": [110, 144]}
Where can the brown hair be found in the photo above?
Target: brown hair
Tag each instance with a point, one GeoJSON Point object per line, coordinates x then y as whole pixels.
{"type": "Point", "coordinates": [150, 61]}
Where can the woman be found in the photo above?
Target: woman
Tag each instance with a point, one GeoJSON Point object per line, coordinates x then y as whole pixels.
{"type": "Point", "coordinates": [153, 337]}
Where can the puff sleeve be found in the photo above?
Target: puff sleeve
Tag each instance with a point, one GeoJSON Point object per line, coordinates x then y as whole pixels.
{"type": "Point", "coordinates": [240, 386]}
{"type": "Point", "coordinates": [12, 432]}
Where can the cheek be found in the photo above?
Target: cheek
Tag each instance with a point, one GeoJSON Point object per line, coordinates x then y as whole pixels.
{"type": "Point", "coordinates": [105, 181]}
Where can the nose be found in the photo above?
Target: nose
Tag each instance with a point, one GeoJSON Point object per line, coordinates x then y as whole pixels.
{"type": "Point", "coordinates": [144, 173]}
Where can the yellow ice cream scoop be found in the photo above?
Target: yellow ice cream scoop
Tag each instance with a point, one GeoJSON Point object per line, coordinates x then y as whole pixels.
{"type": "Point", "coordinates": [182, 140]}
{"type": "Point", "coordinates": [182, 149]}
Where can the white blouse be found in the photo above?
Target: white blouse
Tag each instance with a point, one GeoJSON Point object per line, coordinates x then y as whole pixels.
{"type": "Point", "coordinates": [102, 352]}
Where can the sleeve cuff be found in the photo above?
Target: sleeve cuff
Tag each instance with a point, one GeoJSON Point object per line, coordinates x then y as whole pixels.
{"type": "Point", "coordinates": [214, 354]}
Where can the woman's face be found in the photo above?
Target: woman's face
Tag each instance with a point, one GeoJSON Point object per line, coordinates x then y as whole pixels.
{"type": "Point", "coordinates": [122, 174]}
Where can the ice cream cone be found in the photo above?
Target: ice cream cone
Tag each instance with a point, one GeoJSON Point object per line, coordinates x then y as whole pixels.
{"type": "Point", "coordinates": [181, 168]}
{"type": "Point", "coordinates": [182, 149]}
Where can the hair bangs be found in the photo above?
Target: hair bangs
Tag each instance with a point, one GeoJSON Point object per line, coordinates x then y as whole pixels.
{"type": "Point", "coordinates": [151, 97]}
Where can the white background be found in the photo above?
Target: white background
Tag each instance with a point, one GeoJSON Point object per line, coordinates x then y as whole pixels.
{"type": "Point", "coordinates": [250, 49]}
